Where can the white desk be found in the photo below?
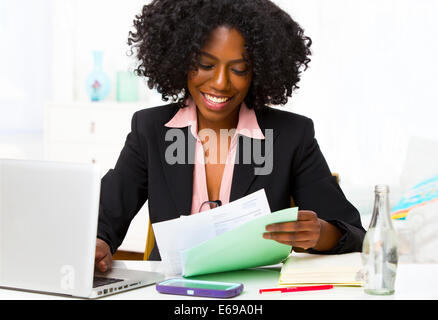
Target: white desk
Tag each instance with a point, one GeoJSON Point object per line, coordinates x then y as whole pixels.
{"type": "Point", "coordinates": [414, 281]}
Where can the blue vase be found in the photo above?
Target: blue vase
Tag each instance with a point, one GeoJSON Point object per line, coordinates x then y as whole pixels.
{"type": "Point", "coordinates": [98, 83]}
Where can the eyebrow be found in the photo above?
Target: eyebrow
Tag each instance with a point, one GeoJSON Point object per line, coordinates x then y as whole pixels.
{"type": "Point", "coordinates": [215, 58]}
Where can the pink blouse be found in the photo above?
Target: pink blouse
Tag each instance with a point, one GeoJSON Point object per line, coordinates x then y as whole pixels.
{"type": "Point", "coordinates": [247, 125]}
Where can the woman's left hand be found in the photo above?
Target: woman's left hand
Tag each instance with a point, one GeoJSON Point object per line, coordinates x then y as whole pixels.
{"type": "Point", "coordinates": [307, 232]}
{"type": "Point", "coordinates": [303, 233]}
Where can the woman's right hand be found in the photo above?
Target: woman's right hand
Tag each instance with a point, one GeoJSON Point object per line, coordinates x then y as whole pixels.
{"type": "Point", "coordinates": [103, 258]}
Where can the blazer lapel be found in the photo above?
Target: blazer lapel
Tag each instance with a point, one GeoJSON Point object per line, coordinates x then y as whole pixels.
{"type": "Point", "coordinates": [246, 168]}
{"type": "Point", "coordinates": [243, 175]}
{"type": "Point", "coordinates": [178, 168]}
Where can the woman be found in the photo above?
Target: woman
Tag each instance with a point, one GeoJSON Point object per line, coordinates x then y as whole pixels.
{"type": "Point", "coordinates": [223, 62]}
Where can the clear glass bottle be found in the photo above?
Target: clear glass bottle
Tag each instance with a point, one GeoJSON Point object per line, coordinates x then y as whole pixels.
{"type": "Point", "coordinates": [379, 251]}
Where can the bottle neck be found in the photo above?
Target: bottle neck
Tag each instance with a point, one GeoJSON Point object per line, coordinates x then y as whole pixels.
{"type": "Point", "coordinates": [381, 213]}
{"type": "Point", "coordinates": [98, 60]}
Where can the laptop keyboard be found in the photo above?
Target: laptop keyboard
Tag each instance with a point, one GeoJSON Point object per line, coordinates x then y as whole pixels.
{"type": "Point", "coordinates": [102, 281]}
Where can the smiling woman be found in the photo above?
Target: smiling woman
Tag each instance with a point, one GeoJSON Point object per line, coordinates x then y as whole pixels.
{"type": "Point", "coordinates": [172, 43]}
{"type": "Point", "coordinates": [223, 63]}
{"type": "Point", "coordinates": [222, 80]}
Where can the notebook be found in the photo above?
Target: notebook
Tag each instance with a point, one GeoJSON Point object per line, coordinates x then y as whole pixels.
{"type": "Point", "coordinates": [313, 269]}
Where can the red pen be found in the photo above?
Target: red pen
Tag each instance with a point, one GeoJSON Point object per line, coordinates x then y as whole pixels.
{"type": "Point", "coordinates": [297, 289]}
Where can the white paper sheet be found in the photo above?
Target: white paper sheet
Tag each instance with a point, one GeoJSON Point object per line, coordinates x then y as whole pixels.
{"type": "Point", "coordinates": [234, 214]}
{"type": "Point", "coordinates": [174, 236]}
{"type": "Point", "coordinates": [178, 234]}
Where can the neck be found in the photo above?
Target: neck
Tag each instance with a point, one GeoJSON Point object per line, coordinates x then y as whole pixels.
{"type": "Point", "coordinates": [229, 123]}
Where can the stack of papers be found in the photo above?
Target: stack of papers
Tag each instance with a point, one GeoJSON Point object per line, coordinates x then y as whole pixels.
{"type": "Point", "coordinates": [313, 269]}
{"type": "Point", "coordinates": [222, 239]}
{"type": "Point", "coordinates": [240, 248]}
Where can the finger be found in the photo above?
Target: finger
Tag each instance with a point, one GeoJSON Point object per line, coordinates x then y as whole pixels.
{"type": "Point", "coordinates": [288, 243]}
{"type": "Point", "coordinates": [99, 261]}
{"type": "Point", "coordinates": [306, 215]}
{"type": "Point", "coordinates": [99, 256]}
{"type": "Point", "coordinates": [100, 253]}
{"type": "Point", "coordinates": [290, 236]}
{"type": "Point", "coordinates": [103, 260]}
{"type": "Point", "coordinates": [101, 266]}
{"type": "Point", "coordinates": [108, 261]}
{"type": "Point", "coordinates": [104, 265]}
{"type": "Point", "coordinates": [297, 244]}
{"type": "Point", "coordinates": [293, 226]}
{"type": "Point", "coordinates": [304, 244]}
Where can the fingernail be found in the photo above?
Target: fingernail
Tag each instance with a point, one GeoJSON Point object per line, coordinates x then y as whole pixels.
{"type": "Point", "coordinates": [266, 236]}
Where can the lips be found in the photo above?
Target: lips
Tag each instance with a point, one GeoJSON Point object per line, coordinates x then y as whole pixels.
{"type": "Point", "coordinates": [216, 99]}
{"type": "Point", "coordinates": [215, 102]}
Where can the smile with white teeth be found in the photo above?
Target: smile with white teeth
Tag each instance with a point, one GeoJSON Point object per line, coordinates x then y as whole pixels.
{"type": "Point", "coordinates": [216, 99]}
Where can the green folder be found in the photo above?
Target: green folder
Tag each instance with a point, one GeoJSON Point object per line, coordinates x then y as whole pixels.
{"type": "Point", "coordinates": [240, 248]}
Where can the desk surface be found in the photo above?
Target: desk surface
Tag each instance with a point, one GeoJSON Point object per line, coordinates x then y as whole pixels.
{"type": "Point", "coordinates": [414, 281]}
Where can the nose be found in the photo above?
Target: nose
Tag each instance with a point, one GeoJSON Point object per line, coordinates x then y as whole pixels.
{"type": "Point", "coordinates": [221, 81]}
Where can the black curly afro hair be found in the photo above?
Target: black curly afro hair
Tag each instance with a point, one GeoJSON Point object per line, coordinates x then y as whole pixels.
{"type": "Point", "coordinates": [168, 36]}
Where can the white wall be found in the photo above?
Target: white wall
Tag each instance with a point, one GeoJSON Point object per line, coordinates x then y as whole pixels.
{"type": "Point", "coordinates": [95, 25]}
{"type": "Point", "coordinates": [371, 83]}
{"type": "Point", "coordinates": [25, 57]}
{"type": "Point", "coordinates": [102, 25]}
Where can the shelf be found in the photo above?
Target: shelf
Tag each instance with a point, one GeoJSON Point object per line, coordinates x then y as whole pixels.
{"type": "Point", "coordinates": [101, 104]}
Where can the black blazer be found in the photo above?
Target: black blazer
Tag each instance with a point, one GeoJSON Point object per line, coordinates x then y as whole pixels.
{"type": "Point", "coordinates": [299, 170]}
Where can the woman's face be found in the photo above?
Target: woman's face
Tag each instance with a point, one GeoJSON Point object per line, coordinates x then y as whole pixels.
{"type": "Point", "coordinates": [223, 78]}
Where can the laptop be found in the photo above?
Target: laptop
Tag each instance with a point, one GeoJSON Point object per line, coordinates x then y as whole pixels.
{"type": "Point", "coordinates": [48, 227]}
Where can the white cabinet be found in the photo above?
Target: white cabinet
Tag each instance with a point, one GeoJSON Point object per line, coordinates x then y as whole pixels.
{"type": "Point", "coordinates": [94, 133]}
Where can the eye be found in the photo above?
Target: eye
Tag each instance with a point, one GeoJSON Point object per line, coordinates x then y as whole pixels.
{"type": "Point", "coordinates": [205, 66]}
{"type": "Point", "coordinates": [240, 72]}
